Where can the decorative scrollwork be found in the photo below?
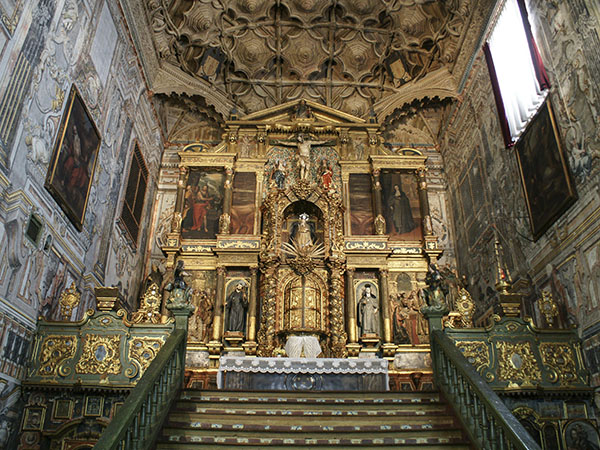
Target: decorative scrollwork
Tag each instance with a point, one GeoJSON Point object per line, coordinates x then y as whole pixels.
{"type": "Point", "coordinates": [69, 299]}
{"type": "Point", "coordinates": [149, 311]}
{"type": "Point", "coordinates": [548, 307]}
{"type": "Point", "coordinates": [516, 362]}
{"type": "Point", "coordinates": [101, 355]}
{"type": "Point", "coordinates": [476, 352]}
{"type": "Point", "coordinates": [142, 351]}
{"type": "Point", "coordinates": [558, 357]}
{"type": "Point", "coordinates": [56, 350]}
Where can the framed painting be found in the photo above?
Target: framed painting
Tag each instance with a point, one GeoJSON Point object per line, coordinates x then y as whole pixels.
{"type": "Point", "coordinates": [401, 207]}
{"type": "Point", "coordinates": [74, 159]}
{"type": "Point", "coordinates": [545, 175]}
{"type": "Point", "coordinates": [242, 205]}
{"type": "Point", "coordinates": [361, 204]}
{"type": "Point", "coordinates": [203, 204]}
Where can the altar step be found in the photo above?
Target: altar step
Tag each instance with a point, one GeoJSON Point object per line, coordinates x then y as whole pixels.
{"type": "Point", "coordinates": [310, 420]}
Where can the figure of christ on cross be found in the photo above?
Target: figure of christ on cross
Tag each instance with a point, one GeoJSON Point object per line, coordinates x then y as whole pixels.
{"type": "Point", "coordinates": [303, 153]}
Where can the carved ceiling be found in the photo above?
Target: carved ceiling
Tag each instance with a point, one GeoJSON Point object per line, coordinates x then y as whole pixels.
{"type": "Point", "coordinates": [352, 55]}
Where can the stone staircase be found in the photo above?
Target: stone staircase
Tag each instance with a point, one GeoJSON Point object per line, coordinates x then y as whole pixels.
{"type": "Point", "coordinates": [311, 420]}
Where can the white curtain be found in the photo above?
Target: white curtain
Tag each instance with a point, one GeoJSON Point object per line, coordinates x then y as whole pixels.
{"type": "Point", "coordinates": [520, 90]}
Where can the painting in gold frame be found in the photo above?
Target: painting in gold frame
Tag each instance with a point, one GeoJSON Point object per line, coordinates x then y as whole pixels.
{"type": "Point", "coordinates": [545, 175]}
{"type": "Point", "coordinates": [74, 159]}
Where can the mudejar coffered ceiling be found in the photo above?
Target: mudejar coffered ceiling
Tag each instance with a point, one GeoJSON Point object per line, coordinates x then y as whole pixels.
{"type": "Point", "coordinates": [352, 55]}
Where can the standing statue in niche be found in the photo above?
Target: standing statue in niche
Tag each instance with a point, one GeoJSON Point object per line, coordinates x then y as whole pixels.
{"type": "Point", "coordinates": [303, 156]}
{"type": "Point", "coordinates": [279, 174]}
{"type": "Point", "coordinates": [236, 306]}
{"type": "Point", "coordinates": [400, 211]}
{"type": "Point", "coordinates": [368, 312]}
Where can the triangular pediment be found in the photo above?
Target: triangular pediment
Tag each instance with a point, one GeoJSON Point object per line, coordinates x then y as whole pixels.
{"type": "Point", "coordinates": [288, 112]}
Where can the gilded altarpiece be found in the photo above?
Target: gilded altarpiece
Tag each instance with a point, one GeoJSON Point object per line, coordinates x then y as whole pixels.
{"type": "Point", "coordinates": [296, 215]}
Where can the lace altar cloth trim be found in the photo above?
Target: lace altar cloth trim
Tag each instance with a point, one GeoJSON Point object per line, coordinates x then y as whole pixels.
{"type": "Point", "coordinates": [300, 365]}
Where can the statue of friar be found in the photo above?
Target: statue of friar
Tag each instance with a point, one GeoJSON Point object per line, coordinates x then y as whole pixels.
{"type": "Point", "coordinates": [236, 305]}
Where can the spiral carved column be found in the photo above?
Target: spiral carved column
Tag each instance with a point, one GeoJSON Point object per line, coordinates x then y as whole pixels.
{"type": "Point", "coordinates": [336, 308]}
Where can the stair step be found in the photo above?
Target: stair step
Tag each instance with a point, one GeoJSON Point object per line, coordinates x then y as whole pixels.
{"type": "Point", "coordinates": [430, 410]}
{"type": "Point", "coordinates": [280, 417]}
{"type": "Point", "coordinates": [358, 398]}
{"type": "Point", "coordinates": [417, 443]}
{"type": "Point", "coordinates": [311, 420]}
{"type": "Point", "coordinates": [309, 428]}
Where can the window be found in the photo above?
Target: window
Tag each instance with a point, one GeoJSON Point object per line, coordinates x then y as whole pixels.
{"type": "Point", "coordinates": [518, 76]}
{"type": "Point", "coordinates": [133, 204]}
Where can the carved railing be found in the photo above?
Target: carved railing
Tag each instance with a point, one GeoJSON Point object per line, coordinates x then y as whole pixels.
{"type": "Point", "coordinates": [487, 420]}
{"type": "Point", "coordinates": [138, 422]}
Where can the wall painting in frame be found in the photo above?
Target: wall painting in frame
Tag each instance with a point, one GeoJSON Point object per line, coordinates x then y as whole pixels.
{"type": "Point", "coordinates": [203, 204]}
{"type": "Point", "coordinates": [74, 159]}
{"type": "Point", "coordinates": [545, 175]}
{"type": "Point", "coordinates": [401, 208]}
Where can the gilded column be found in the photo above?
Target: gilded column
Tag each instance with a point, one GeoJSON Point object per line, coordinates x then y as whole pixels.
{"type": "Point", "coordinates": [225, 218]}
{"type": "Point", "coordinates": [218, 311]}
{"type": "Point", "coordinates": [378, 202]}
{"type": "Point", "coordinates": [424, 201]}
{"type": "Point", "coordinates": [385, 305]}
{"type": "Point", "coordinates": [351, 307]}
{"type": "Point", "coordinates": [336, 302]}
{"type": "Point", "coordinates": [250, 344]}
{"type": "Point", "coordinates": [266, 333]}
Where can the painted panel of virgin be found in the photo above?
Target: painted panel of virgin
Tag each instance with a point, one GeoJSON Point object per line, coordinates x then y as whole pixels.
{"type": "Point", "coordinates": [401, 206]}
{"type": "Point", "coordinates": [202, 204]}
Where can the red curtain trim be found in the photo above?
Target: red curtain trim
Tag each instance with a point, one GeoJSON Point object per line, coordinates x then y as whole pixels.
{"type": "Point", "coordinates": [508, 141]}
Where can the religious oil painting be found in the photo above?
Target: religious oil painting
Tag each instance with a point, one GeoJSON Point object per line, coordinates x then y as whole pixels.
{"type": "Point", "coordinates": [203, 203]}
{"type": "Point", "coordinates": [74, 159]}
{"type": "Point", "coordinates": [581, 435]}
{"type": "Point", "coordinates": [546, 179]}
{"type": "Point", "coordinates": [401, 208]}
{"type": "Point", "coordinates": [242, 204]}
{"type": "Point", "coordinates": [361, 204]}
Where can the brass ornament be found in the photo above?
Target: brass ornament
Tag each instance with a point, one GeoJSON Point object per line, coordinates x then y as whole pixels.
{"type": "Point", "coordinates": [69, 299]}
{"type": "Point", "coordinates": [100, 355]}
{"type": "Point", "coordinates": [55, 351]}
{"type": "Point", "coordinates": [516, 362]}
{"type": "Point", "coordinates": [548, 307]}
{"type": "Point", "coordinates": [559, 359]}
{"type": "Point", "coordinates": [149, 311]}
{"type": "Point", "coordinates": [142, 351]}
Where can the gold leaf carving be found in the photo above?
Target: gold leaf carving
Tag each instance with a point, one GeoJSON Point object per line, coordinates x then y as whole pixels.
{"type": "Point", "coordinates": [55, 351]}
{"type": "Point", "coordinates": [101, 355]}
{"type": "Point", "coordinates": [143, 351]}
{"type": "Point", "coordinates": [517, 362]}
{"type": "Point", "coordinates": [559, 358]}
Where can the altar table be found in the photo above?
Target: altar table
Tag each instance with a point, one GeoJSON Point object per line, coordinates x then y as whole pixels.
{"type": "Point", "coordinates": [302, 374]}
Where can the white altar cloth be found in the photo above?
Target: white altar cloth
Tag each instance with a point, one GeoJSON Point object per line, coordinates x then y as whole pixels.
{"type": "Point", "coordinates": [251, 364]}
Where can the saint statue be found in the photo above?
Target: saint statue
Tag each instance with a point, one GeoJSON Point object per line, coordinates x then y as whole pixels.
{"type": "Point", "coordinates": [368, 309]}
{"type": "Point", "coordinates": [236, 306]}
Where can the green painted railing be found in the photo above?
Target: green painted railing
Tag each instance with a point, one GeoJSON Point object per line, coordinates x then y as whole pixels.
{"type": "Point", "coordinates": [138, 422]}
{"type": "Point", "coordinates": [489, 423]}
